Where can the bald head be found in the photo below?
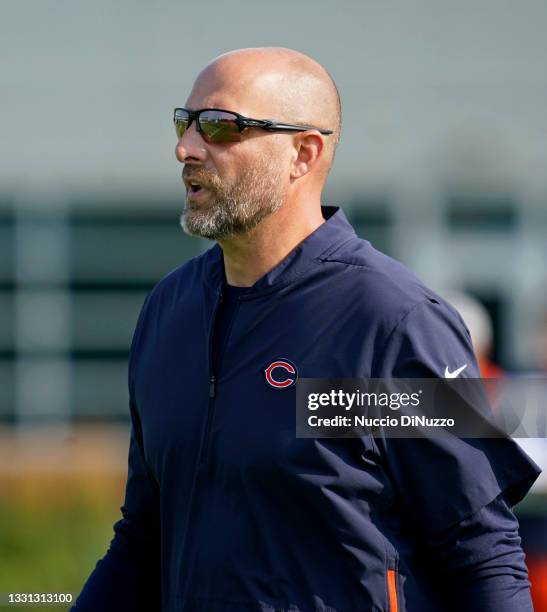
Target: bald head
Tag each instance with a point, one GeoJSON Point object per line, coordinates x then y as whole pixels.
{"type": "Point", "coordinates": [275, 83]}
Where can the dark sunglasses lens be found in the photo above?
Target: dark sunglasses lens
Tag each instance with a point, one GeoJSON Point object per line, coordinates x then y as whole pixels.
{"type": "Point", "coordinates": [219, 126]}
{"type": "Point", "coordinates": [181, 122]}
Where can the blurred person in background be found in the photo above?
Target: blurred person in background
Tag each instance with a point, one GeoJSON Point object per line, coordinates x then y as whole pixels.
{"type": "Point", "coordinates": [479, 323]}
{"type": "Point", "coordinates": [225, 508]}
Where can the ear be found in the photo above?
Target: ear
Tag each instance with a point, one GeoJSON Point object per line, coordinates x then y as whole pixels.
{"type": "Point", "coordinates": [308, 147]}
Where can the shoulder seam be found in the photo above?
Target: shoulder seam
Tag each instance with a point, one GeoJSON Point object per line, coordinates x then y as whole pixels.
{"type": "Point", "coordinates": [345, 263]}
{"type": "Point", "coordinates": [336, 247]}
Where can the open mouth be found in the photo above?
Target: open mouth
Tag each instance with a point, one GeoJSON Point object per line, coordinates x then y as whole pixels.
{"type": "Point", "coordinates": [195, 187]}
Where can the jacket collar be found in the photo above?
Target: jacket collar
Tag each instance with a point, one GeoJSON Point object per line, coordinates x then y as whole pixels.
{"type": "Point", "coordinates": [324, 240]}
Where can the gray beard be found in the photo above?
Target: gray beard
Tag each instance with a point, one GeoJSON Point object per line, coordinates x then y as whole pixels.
{"type": "Point", "coordinates": [236, 209]}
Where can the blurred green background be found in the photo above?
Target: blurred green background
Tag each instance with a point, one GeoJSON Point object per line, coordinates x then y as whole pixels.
{"type": "Point", "coordinates": [57, 531]}
{"type": "Point", "coordinates": [60, 493]}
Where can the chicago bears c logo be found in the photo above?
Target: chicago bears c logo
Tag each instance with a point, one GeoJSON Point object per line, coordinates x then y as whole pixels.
{"type": "Point", "coordinates": [281, 374]}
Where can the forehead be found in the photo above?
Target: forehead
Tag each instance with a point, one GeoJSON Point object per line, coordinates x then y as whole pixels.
{"type": "Point", "coordinates": [246, 93]}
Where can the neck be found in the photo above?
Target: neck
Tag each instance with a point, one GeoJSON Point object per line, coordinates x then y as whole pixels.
{"type": "Point", "coordinates": [250, 256]}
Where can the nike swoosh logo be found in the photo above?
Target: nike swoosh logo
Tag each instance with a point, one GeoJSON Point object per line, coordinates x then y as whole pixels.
{"type": "Point", "coordinates": [455, 373]}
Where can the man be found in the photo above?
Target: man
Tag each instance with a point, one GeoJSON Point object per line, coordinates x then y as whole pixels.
{"type": "Point", "coordinates": [225, 509]}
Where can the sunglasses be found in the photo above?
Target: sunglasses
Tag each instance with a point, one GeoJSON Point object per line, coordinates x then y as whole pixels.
{"type": "Point", "coordinates": [219, 126]}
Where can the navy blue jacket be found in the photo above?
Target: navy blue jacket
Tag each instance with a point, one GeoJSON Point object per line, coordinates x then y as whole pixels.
{"type": "Point", "coordinates": [226, 510]}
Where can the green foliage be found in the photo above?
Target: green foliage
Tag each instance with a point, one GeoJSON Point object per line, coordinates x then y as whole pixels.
{"type": "Point", "coordinates": [51, 539]}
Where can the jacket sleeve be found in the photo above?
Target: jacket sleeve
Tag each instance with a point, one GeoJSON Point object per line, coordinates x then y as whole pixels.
{"type": "Point", "coordinates": [458, 493]}
{"type": "Point", "coordinates": [481, 562]}
{"type": "Point", "coordinates": [128, 577]}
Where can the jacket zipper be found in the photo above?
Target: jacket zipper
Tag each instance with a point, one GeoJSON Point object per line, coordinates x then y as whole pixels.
{"type": "Point", "coordinates": [212, 385]}
{"type": "Point", "coordinates": [206, 444]}
{"type": "Point", "coordinates": [212, 388]}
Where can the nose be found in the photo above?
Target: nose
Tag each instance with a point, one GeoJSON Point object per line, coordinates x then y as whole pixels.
{"type": "Point", "coordinates": [191, 146]}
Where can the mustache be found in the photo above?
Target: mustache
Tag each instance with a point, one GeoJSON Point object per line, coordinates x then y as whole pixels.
{"type": "Point", "coordinates": [200, 175]}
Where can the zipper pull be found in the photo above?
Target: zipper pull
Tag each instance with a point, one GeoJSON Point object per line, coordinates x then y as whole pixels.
{"type": "Point", "coordinates": [212, 386]}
